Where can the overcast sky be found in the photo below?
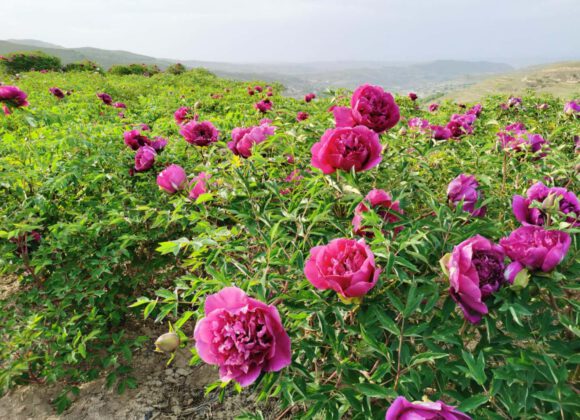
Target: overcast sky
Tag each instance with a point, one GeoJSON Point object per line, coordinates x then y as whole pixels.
{"type": "Point", "coordinates": [513, 31]}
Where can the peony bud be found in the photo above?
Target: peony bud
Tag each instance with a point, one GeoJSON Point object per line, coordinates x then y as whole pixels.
{"type": "Point", "coordinates": [167, 343]}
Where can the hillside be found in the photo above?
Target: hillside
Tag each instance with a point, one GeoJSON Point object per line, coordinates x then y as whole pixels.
{"type": "Point", "coordinates": [559, 79]}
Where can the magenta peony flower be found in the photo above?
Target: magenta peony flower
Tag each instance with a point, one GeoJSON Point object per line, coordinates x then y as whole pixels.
{"type": "Point", "coordinates": [105, 97]}
{"type": "Point", "coordinates": [145, 158]}
{"type": "Point", "coordinates": [543, 106]}
{"type": "Point", "coordinates": [475, 110]}
{"type": "Point", "coordinates": [159, 144]}
{"type": "Point", "coordinates": [464, 188]}
{"type": "Point", "coordinates": [537, 248]}
{"type": "Point", "coordinates": [440, 133]}
{"type": "Point", "coordinates": [476, 271]}
{"type": "Point", "coordinates": [514, 102]}
{"type": "Point", "coordinates": [11, 96]}
{"type": "Point", "coordinates": [134, 139]}
{"type": "Point", "coordinates": [198, 185]}
{"type": "Point", "coordinates": [199, 133]}
{"type": "Point", "coordinates": [461, 125]}
{"type": "Point", "coordinates": [382, 202]}
{"type": "Point", "coordinates": [184, 115]}
{"type": "Point", "coordinates": [517, 139]}
{"type": "Point", "coordinates": [346, 266]}
{"type": "Point", "coordinates": [418, 124]}
{"type": "Point", "coordinates": [402, 409]}
{"type": "Point", "coordinates": [57, 92]}
{"type": "Point", "coordinates": [26, 242]}
{"type": "Point", "coordinates": [372, 107]}
{"type": "Point", "coordinates": [301, 116]}
{"type": "Point", "coordinates": [251, 92]}
{"type": "Point", "coordinates": [347, 148]}
{"type": "Point", "coordinates": [120, 105]}
{"type": "Point", "coordinates": [572, 108]}
{"type": "Point", "coordinates": [243, 139]}
{"type": "Point", "coordinates": [264, 105]}
{"type": "Point", "coordinates": [433, 107]}
{"type": "Point", "coordinates": [258, 89]}
{"type": "Point", "coordinates": [172, 179]}
{"type": "Point", "coordinates": [309, 97]}
{"type": "Point", "coordinates": [241, 335]}
{"type": "Point", "coordinates": [568, 204]}
{"type": "Point", "coordinates": [413, 96]}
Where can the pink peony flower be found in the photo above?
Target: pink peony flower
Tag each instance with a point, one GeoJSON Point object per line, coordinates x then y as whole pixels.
{"type": "Point", "coordinates": [433, 107]}
{"type": "Point", "coordinates": [11, 96]}
{"type": "Point", "coordinates": [475, 110]}
{"type": "Point", "coordinates": [382, 202]}
{"type": "Point", "coordinates": [301, 116]}
{"type": "Point", "coordinates": [572, 108]}
{"type": "Point", "coordinates": [243, 139]}
{"type": "Point", "coordinates": [184, 115]}
{"type": "Point", "coordinates": [347, 148]}
{"type": "Point", "coordinates": [568, 203]}
{"type": "Point", "coordinates": [58, 93]}
{"type": "Point", "coordinates": [346, 266]}
{"type": "Point", "coordinates": [105, 97]}
{"type": "Point", "coordinates": [372, 107]}
{"type": "Point", "coordinates": [440, 133]}
{"type": "Point", "coordinates": [258, 89]}
{"type": "Point", "coordinates": [172, 179]}
{"type": "Point", "coordinates": [198, 185]}
{"type": "Point", "coordinates": [199, 133]}
{"type": "Point", "coordinates": [476, 271]}
{"type": "Point", "coordinates": [402, 409]}
{"type": "Point", "coordinates": [120, 105]}
{"type": "Point", "coordinates": [536, 247]}
{"type": "Point", "coordinates": [134, 139]}
{"type": "Point", "coordinates": [145, 158]}
{"type": "Point", "coordinates": [263, 106]}
{"type": "Point", "coordinates": [241, 335]}
{"type": "Point", "coordinates": [517, 139]}
{"type": "Point", "coordinates": [461, 125]}
{"type": "Point", "coordinates": [418, 124]}
{"type": "Point", "coordinates": [464, 188]}
{"type": "Point", "coordinates": [159, 144]}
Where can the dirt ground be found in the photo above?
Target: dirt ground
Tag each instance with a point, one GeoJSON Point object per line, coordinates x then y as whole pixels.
{"type": "Point", "coordinates": [164, 392]}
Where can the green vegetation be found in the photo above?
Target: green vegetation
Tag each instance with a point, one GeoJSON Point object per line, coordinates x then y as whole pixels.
{"type": "Point", "coordinates": [21, 61]}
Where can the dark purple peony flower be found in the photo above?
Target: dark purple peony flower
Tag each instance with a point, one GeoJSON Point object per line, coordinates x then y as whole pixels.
{"type": "Point", "coordinates": [476, 271]}
{"type": "Point", "coordinates": [309, 97]}
{"type": "Point", "coordinates": [106, 98]}
{"type": "Point", "coordinates": [464, 188]}
{"type": "Point", "coordinates": [58, 93]}
{"type": "Point", "coordinates": [433, 107]}
{"type": "Point", "coordinates": [568, 203]}
{"type": "Point", "coordinates": [413, 96]}
{"type": "Point", "coordinates": [134, 139]}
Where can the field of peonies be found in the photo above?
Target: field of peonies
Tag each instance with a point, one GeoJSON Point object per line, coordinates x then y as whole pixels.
{"type": "Point", "coordinates": [349, 254]}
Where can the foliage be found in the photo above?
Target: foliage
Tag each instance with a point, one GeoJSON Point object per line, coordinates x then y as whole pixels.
{"type": "Point", "coordinates": [176, 68]}
{"type": "Point", "coordinates": [140, 69]}
{"type": "Point", "coordinates": [85, 65]}
{"type": "Point", "coordinates": [111, 240]}
{"type": "Point", "coordinates": [21, 61]}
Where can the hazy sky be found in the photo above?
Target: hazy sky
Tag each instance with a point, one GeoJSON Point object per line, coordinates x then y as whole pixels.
{"type": "Point", "coordinates": [514, 31]}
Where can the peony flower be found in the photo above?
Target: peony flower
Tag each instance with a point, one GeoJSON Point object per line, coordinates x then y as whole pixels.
{"type": "Point", "coordinates": [440, 133]}
{"type": "Point", "coordinates": [464, 188]}
{"type": "Point", "coordinates": [301, 116]}
{"type": "Point", "coordinates": [517, 139]}
{"type": "Point", "coordinates": [144, 127]}
{"type": "Point", "coordinates": [347, 148]}
{"type": "Point", "coordinates": [26, 242]}
{"type": "Point", "coordinates": [11, 96]}
{"type": "Point", "coordinates": [433, 107]}
{"type": "Point", "coordinates": [120, 105]}
{"type": "Point", "coordinates": [241, 335]}
{"type": "Point", "coordinates": [243, 139]}
{"type": "Point", "coordinates": [199, 133]}
{"type": "Point", "coordinates": [184, 114]}
{"type": "Point", "coordinates": [476, 271]}
{"type": "Point", "coordinates": [57, 92]}
{"type": "Point", "coordinates": [461, 124]}
{"type": "Point", "coordinates": [134, 139]}
{"type": "Point", "coordinates": [309, 97]}
{"type": "Point", "coordinates": [258, 89]}
{"type": "Point", "coordinates": [543, 106]}
{"type": "Point", "coordinates": [402, 409]}
{"type": "Point", "coordinates": [372, 107]}
{"type": "Point", "coordinates": [537, 248]}
{"type": "Point", "coordinates": [382, 202]}
{"type": "Point", "coordinates": [172, 179]}
{"type": "Point", "coordinates": [251, 92]}
{"type": "Point", "coordinates": [567, 203]}
{"type": "Point", "coordinates": [198, 185]}
{"type": "Point", "coordinates": [475, 110]}
{"type": "Point", "coordinates": [159, 144]}
{"type": "Point", "coordinates": [413, 96]}
{"type": "Point", "coordinates": [572, 108]}
{"type": "Point", "coordinates": [418, 124]}
{"type": "Point", "coordinates": [514, 102]}
{"type": "Point", "coordinates": [145, 158]}
{"type": "Point", "coordinates": [346, 266]}
{"type": "Point", "coordinates": [264, 105]}
{"type": "Point", "coordinates": [105, 97]}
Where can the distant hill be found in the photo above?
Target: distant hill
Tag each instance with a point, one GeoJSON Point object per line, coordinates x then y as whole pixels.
{"type": "Point", "coordinates": [559, 79]}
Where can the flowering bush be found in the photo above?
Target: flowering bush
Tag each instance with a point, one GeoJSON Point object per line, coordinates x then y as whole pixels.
{"type": "Point", "coordinates": [258, 269]}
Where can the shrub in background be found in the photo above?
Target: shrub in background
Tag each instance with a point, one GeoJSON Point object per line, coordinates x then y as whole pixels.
{"type": "Point", "coordinates": [21, 61]}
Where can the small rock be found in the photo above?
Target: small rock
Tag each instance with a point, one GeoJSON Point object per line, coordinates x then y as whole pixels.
{"type": "Point", "coordinates": [182, 372]}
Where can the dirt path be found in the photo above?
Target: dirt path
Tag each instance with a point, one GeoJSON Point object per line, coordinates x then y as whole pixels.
{"type": "Point", "coordinates": [174, 392]}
